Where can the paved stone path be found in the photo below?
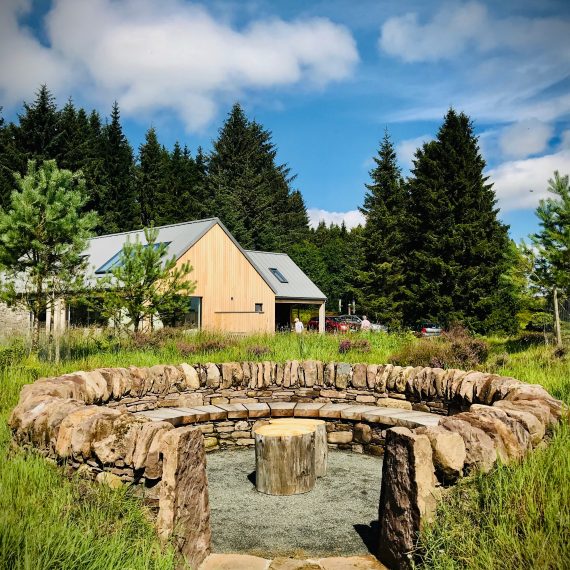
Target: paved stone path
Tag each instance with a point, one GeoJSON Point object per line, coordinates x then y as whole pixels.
{"type": "Point", "coordinates": [247, 562]}
{"type": "Point", "coordinates": [374, 414]}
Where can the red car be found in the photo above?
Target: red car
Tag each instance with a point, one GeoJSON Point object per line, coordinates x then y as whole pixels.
{"type": "Point", "coordinates": [332, 324]}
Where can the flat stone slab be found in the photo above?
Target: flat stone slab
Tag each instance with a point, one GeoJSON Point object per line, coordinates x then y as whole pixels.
{"type": "Point", "coordinates": [234, 562]}
{"type": "Point", "coordinates": [332, 410]}
{"type": "Point", "coordinates": [235, 411]}
{"type": "Point", "coordinates": [351, 563]}
{"type": "Point", "coordinates": [215, 412]}
{"type": "Point", "coordinates": [257, 410]}
{"type": "Point", "coordinates": [373, 414]}
{"type": "Point", "coordinates": [308, 409]}
{"type": "Point", "coordinates": [282, 409]}
{"type": "Point", "coordinates": [355, 412]}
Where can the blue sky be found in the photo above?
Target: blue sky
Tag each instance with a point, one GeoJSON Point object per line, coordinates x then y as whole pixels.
{"type": "Point", "coordinates": [325, 77]}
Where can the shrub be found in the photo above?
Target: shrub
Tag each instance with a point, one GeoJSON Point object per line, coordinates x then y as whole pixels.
{"type": "Point", "coordinates": [12, 354]}
{"type": "Point", "coordinates": [360, 344]}
{"type": "Point", "coordinates": [186, 348]}
{"type": "Point", "coordinates": [455, 348]}
{"type": "Point", "coordinates": [257, 351]}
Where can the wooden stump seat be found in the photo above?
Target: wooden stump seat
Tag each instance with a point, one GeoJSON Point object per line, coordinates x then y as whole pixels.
{"type": "Point", "coordinates": [321, 445]}
{"type": "Point", "coordinates": [284, 459]}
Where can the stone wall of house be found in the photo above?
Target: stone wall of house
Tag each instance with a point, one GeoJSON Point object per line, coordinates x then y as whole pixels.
{"type": "Point", "coordinates": [13, 321]}
{"type": "Point", "coordinates": [86, 420]}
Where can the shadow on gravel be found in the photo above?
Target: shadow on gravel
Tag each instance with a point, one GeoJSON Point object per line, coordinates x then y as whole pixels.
{"type": "Point", "coordinates": [369, 535]}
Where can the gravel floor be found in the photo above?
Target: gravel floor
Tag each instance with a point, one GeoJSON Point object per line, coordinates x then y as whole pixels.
{"type": "Point", "coordinates": [338, 517]}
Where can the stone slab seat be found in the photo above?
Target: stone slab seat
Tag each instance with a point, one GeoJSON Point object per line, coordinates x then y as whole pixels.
{"type": "Point", "coordinates": [372, 414]}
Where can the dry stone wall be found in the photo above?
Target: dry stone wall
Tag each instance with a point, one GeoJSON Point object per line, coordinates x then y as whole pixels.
{"type": "Point", "coordinates": [99, 422]}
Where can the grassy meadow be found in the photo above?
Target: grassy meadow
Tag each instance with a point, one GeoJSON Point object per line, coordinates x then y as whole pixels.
{"type": "Point", "coordinates": [515, 517]}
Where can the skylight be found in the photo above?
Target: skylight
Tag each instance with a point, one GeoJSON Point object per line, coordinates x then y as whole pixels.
{"type": "Point", "coordinates": [115, 261]}
{"type": "Point", "coordinates": [278, 275]}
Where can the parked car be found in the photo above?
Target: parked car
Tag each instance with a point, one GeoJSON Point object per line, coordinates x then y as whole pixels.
{"type": "Point", "coordinates": [354, 323]}
{"type": "Point", "coordinates": [430, 329]}
{"type": "Point", "coordinates": [332, 324]}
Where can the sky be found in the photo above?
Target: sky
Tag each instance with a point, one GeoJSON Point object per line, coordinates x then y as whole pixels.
{"type": "Point", "coordinates": [326, 77]}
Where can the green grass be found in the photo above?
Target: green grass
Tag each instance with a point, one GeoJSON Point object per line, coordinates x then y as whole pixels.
{"type": "Point", "coordinates": [515, 517]}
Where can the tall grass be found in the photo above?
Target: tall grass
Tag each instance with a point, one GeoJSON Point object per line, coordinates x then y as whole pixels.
{"type": "Point", "coordinates": [516, 517]}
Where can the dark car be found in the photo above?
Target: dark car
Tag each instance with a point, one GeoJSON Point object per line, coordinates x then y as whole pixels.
{"type": "Point", "coordinates": [332, 324]}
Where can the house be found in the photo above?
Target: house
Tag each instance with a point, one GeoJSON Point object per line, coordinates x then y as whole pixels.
{"type": "Point", "coordinates": [236, 290]}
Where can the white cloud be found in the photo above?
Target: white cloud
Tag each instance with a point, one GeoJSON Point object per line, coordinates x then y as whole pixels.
{"type": "Point", "coordinates": [169, 55]}
{"type": "Point", "coordinates": [351, 219]}
{"type": "Point", "coordinates": [565, 139]}
{"type": "Point", "coordinates": [524, 138]}
{"type": "Point", "coordinates": [448, 34]}
{"type": "Point", "coordinates": [497, 69]}
{"type": "Point", "coordinates": [406, 150]}
{"type": "Point", "coordinates": [520, 184]}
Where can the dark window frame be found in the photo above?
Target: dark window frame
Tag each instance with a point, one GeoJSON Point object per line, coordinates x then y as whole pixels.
{"type": "Point", "coordinates": [278, 275]}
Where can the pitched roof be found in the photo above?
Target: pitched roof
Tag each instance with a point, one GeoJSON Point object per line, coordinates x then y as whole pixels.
{"type": "Point", "coordinates": [297, 286]}
{"type": "Point", "coordinates": [181, 237]}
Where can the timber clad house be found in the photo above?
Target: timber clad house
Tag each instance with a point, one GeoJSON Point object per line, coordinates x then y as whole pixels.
{"type": "Point", "coordinates": [236, 290]}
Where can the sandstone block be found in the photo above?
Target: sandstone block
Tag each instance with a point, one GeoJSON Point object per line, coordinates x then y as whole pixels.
{"type": "Point", "coordinates": [310, 372]}
{"type": "Point", "coordinates": [184, 511]}
{"type": "Point", "coordinates": [407, 496]}
{"type": "Point", "coordinates": [362, 433]}
{"type": "Point", "coordinates": [339, 437]}
{"type": "Point", "coordinates": [359, 375]}
{"type": "Point", "coordinates": [191, 378]}
{"type": "Point", "coordinates": [448, 449]}
{"type": "Point", "coordinates": [212, 376]}
{"type": "Point", "coordinates": [342, 376]}
{"type": "Point", "coordinates": [394, 403]}
{"type": "Point", "coordinates": [479, 447]}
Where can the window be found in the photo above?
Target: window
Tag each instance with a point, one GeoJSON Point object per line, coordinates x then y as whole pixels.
{"type": "Point", "coordinates": [259, 307]}
{"type": "Point", "coordinates": [278, 275]}
{"type": "Point", "coordinates": [116, 260]}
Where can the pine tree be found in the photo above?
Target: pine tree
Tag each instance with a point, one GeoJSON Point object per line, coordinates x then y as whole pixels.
{"type": "Point", "coordinates": [381, 278]}
{"type": "Point", "coordinates": [153, 197]}
{"type": "Point", "coordinates": [118, 206]}
{"type": "Point", "coordinates": [251, 192]}
{"type": "Point", "coordinates": [458, 249]}
{"type": "Point", "coordinates": [8, 161]}
{"type": "Point", "coordinates": [38, 135]}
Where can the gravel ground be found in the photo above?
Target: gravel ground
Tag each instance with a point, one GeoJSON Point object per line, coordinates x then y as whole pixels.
{"type": "Point", "coordinates": [338, 517]}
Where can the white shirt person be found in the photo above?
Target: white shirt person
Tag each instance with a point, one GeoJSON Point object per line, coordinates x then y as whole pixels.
{"type": "Point", "coordinates": [298, 326]}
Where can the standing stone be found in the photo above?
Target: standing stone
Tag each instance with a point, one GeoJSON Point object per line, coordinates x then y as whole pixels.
{"type": "Point", "coordinates": [212, 376]}
{"type": "Point", "coordinates": [343, 371]}
{"type": "Point", "coordinates": [371, 371]}
{"type": "Point", "coordinates": [310, 370]}
{"type": "Point", "coordinates": [184, 510]}
{"type": "Point", "coordinates": [329, 374]}
{"type": "Point", "coordinates": [407, 497]}
{"type": "Point", "coordinates": [191, 378]}
{"type": "Point", "coordinates": [359, 376]}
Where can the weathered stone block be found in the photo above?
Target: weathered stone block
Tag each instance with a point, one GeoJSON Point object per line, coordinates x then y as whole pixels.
{"type": "Point", "coordinates": [184, 511]}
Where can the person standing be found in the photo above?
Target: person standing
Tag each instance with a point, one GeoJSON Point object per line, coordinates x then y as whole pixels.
{"type": "Point", "coordinates": [298, 326]}
{"type": "Point", "coordinates": [365, 324]}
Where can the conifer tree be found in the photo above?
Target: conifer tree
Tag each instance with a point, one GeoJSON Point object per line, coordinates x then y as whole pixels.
{"type": "Point", "coordinates": [153, 197]}
{"type": "Point", "coordinates": [381, 278]}
{"type": "Point", "coordinates": [458, 249]}
{"type": "Point", "coordinates": [118, 207]}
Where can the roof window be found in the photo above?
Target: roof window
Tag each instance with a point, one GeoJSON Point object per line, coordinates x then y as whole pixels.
{"type": "Point", "coordinates": [115, 261]}
{"type": "Point", "coordinates": [278, 275]}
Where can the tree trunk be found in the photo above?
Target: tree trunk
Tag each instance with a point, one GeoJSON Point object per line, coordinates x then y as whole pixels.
{"type": "Point", "coordinates": [557, 318]}
{"type": "Point", "coordinates": [284, 459]}
{"type": "Point", "coordinates": [321, 444]}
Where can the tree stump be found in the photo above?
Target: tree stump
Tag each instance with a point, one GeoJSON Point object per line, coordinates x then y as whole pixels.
{"type": "Point", "coordinates": [321, 445]}
{"type": "Point", "coordinates": [284, 459]}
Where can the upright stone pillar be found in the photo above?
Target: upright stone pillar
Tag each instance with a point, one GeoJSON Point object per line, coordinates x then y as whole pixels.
{"type": "Point", "coordinates": [184, 510]}
{"type": "Point", "coordinates": [407, 496]}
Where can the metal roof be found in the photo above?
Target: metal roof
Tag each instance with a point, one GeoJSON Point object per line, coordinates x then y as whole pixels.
{"type": "Point", "coordinates": [298, 286]}
{"type": "Point", "coordinates": [181, 237]}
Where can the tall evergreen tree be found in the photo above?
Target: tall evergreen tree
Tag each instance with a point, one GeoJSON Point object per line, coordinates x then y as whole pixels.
{"type": "Point", "coordinates": [38, 135]}
{"type": "Point", "coordinates": [381, 278]}
{"type": "Point", "coordinates": [8, 162]}
{"type": "Point", "coordinates": [458, 249]}
{"type": "Point", "coordinates": [251, 192]}
{"type": "Point", "coordinates": [153, 197]}
{"type": "Point", "coordinates": [118, 207]}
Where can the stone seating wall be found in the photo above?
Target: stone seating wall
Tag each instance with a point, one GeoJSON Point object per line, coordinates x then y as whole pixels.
{"type": "Point", "coordinates": [109, 421]}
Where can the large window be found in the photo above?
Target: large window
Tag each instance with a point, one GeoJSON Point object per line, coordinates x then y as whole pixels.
{"type": "Point", "coordinates": [278, 275]}
{"type": "Point", "coordinates": [190, 317]}
{"type": "Point", "coordinates": [116, 260]}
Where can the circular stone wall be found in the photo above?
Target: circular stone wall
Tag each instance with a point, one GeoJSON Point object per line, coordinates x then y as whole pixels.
{"type": "Point", "coordinates": [333, 519]}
